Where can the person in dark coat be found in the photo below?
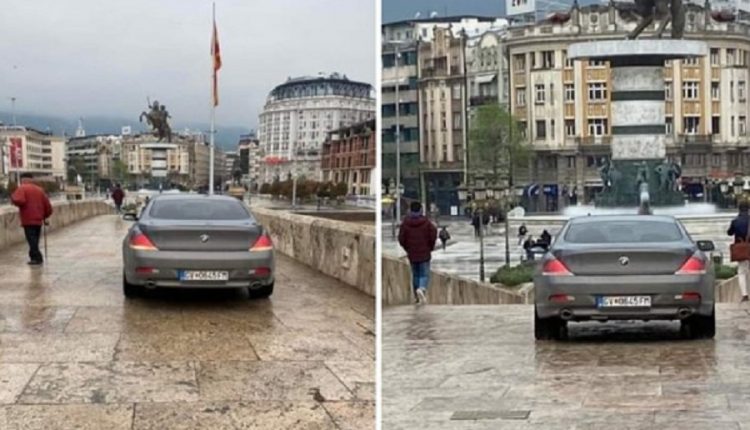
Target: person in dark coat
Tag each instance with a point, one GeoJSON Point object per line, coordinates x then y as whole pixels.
{"type": "Point", "coordinates": [545, 240]}
{"type": "Point", "coordinates": [444, 236]}
{"type": "Point", "coordinates": [417, 235]}
{"type": "Point", "coordinates": [527, 245]}
{"type": "Point", "coordinates": [522, 232]}
{"type": "Point", "coordinates": [476, 223]}
{"type": "Point", "coordinates": [118, 195]}
{"type": "Point", "coordinates": [35, 208]}
{"type": "Point", "coordinates": [739, 229]}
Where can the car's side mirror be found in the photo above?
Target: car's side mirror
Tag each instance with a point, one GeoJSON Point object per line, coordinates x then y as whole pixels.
{"type": "Point", "coordinates": [706, 245]}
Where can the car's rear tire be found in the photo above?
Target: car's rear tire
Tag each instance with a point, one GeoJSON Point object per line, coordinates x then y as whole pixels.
{"type": "Point", "coordinates": [263, 292]}
{"type": "Point", "coordinates": [131, 291]}
{"type": "Point", "coordinates": [700, 326]}
{"type": "Point", "coordinates": [549, 328]}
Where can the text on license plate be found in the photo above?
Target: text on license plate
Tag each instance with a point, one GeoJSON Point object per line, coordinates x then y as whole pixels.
{"type": "Point", "coordinates": [203, 275]}
{"type": "Point", "coordinates": [624, 301]}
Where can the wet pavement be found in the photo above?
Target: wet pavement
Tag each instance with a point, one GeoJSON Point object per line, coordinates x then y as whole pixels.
{"type": "Point", "coordinates": [74, 354]}
{"type": "Point", "coordinates": [478, 367]}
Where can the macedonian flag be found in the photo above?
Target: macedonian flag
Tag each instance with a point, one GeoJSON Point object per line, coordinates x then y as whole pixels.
{"type": "Point", "coordinates": [216, 54]}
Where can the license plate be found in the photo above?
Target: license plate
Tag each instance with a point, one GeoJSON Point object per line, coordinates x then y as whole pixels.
{"type": "Point", "coordinates": [624, 301]}
{"type": "Point", "coordinates": [204, 275]}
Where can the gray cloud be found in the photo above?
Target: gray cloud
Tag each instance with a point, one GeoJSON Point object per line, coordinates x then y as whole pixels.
{"type": "Point", "coordinates": [103, 57]}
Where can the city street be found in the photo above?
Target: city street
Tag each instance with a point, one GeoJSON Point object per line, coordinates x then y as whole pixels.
{"type": "Point", "coordinates": [478, 367]}
{"type": "Point", "coordinates": [74, 354]}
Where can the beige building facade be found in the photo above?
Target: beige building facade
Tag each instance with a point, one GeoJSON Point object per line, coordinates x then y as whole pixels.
{"type": "Point", "coordinates": [26, 150]}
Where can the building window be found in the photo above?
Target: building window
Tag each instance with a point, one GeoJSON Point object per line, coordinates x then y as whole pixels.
{"type": "Point", "coordinates": [690, 90]}
{"type": "Point", "coordinates": [570, 92]}
{"type": "Point", "coordinates": [742, 125]}
{"type": "Point", "coordinates": [715, 56]}
{"type": "Point", "coordinates": [552, 128]}
{"type": "Point", "coordinates": [741, 91]}
{"type": "Point", "coordinates": [519, 62]}
{"type": "Point", "coordinates": [541, 132]}
{"type": "Point", "coordinates": [571, 161]}
{"type": "Point", "coordinates": [691, 124]}
{"type": "Point", "coordinates": [597, 126]}
{"type": "Point", "coordinates": [457, 123]}
{"type": "Point", "coordinates": [716, 160]}
{"type": "Point", "coordinates": [551, 93]}
{"type": "Point", "coordinates": [539, 94]}
{"type": "Point", "coordinates": [715, 125]}
{"type": "Point", "coordinates": [668, 125]}
{"type": "Point", "coordinates": [731, 123]}
{"type": "Point", "coordinates": [570, 127]}
{"type": "Point", "coordinates": [731, 54]}
{"type": "Point", "coordinates": [456, 92]}
{"type": "Point", "coordinates": [597, 91]}
{"type": "Point", "coordinates": [548, 59]}
{"type": "Point", "coordinates": [693, 61]}
{"type": "Point", "coordinates": [597, 63]}
{"type": "Point", "coordinates": [569, 62]}
{"type": "Point", "coordinates": [521, 97]}
{"type": "Point", "coordinates": [668, 90]}
{"type": "Point", "coordinates": [715, 91]}
{"type": "Point", "coordinates": [731, 91]}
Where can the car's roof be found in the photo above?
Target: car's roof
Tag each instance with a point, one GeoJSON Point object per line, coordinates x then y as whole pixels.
{"type": "Point", "coordinates": [623, 217]}
{"type": "Point", "coordinates": [186, 196]}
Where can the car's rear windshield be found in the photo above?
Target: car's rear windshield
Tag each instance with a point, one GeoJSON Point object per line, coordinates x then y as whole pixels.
{"type": "Point", "coordinates": [196, 209]}
{"type": "Point", "coordinates": [623, 232]}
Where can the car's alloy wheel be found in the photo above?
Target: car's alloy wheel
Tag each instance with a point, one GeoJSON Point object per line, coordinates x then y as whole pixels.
{"type": "Point", "coordinates": [131, 291]}
{"type": "Point", "coordinates": [262, 292]}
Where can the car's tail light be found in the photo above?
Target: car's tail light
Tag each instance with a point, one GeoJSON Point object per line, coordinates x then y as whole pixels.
{"type": "Point", "coordinates": [561, 298]}
{"type": "Point", "coordinates": [693, 266]}
{"type": "Point", "coordinates": [555, 267]}
{"type": "Point", "coordinates": [262, 271]}
{"type": "Point", "coordinates": [141, 242]}
{"type": "Point", "coordinates": [689, 296]}
{"type": "Point", "coordinates": [262, 244]}
{"type": "Point", "coordinates": [146, 270]}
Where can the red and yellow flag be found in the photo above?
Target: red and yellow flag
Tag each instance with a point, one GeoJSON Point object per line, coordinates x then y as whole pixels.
{"type": "Point", "coordinates": [216, 54]}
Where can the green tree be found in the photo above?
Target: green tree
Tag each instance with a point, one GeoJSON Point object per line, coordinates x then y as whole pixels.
{"type": "Point", "coordinates": [119, 171]}
{"type": "Point", "coordinates": [496, 145]}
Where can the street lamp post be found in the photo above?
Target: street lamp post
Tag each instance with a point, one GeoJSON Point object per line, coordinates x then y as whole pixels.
{"type": "Point", "coordinates": [478, 194]}
{"type": "Point", "coordinates": [398, 136]}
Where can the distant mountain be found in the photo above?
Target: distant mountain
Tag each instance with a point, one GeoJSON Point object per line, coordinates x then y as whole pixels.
{"type": "Point", "coordinates": [226, 136]}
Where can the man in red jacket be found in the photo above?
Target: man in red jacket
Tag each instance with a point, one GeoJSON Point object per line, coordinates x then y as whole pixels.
{"type": "Point", "coordinates": [417, 235]}
{"type": "Point", "coordinates": [35, 208]}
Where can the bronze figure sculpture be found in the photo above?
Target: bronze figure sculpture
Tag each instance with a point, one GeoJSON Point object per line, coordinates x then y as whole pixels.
{"type": "Point", "coordinates": [665, 10]}
{"type": "Point", "coordinates": [158, 119]}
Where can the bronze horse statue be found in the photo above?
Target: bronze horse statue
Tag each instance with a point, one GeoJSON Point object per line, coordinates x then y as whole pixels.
{"type": "Point", "coordinates": [665, 10]}
{"type": "Point", "coordinates": [157, 118]}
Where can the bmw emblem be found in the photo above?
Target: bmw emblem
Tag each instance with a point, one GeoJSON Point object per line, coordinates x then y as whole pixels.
{"type": "Point", "coordinates": [624, 261]}
{"type": "Point", "coordinates": [204, 238]}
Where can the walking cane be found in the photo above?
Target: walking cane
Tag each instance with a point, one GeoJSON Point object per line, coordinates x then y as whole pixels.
{"type": "Point", "coordinates": [44, 235]}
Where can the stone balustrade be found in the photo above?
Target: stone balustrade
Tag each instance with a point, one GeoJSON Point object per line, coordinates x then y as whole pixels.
{"type": "Point", "coordinates": [446, 289]}
{"type": "Point", "coordinates": [345, 251]}
{"type": "Point", "coordinates": [64, 213]}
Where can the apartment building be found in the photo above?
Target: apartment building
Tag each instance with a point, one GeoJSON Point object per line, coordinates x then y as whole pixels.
{"type": "Point", "coordinates": [26, 150]}
{"type": "Point", "coordinates": [348, 155]}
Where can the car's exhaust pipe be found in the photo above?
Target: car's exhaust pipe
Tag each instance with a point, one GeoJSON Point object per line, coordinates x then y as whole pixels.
{"type": "Point", "coordinates": [684, 313]}
{"type": "Point", "coordinates": [150, 285]}
{"type": "Point", "coordinates": [566, 314]}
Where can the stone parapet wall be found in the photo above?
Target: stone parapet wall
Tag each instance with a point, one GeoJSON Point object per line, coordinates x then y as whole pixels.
{"type": "Point", "coordinates": [345, 251]}
{"type": "Point", "coordinates": [64, 213]}
{"type": "Point", "coordinates": [445, 289]}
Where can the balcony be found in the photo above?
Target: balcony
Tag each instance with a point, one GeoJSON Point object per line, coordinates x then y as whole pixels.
{"type": "Point", "coordinates": [695, 141]}
{"type": "Point", "coordinates": [483, 100]}
{"type": "Point", "coordinates": [593, 142]}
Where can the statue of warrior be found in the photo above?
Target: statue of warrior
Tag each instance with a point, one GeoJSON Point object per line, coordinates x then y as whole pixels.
{"type": "Point", "coordinates": [157, 118]}
{"type": "Point", "coordinates": [664, 10]}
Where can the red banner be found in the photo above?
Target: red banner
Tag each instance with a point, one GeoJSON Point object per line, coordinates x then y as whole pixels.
{"type": "Point", "coordinates": [16, 153]}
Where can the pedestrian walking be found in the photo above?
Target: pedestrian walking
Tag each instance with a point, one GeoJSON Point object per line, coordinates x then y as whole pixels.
{"type": "Point", "coordinates": [527, 245]}
{"type": "Point", "coordinates": [522, 231]}
{"type": "Point", "coordinates": [118, 195]}
{"type": "Point", "coordinates": [476, 222]}
{"type": "Point", "coordinates": [34, 207]}
{"type": "Point", "coordinates": [417, 236]}
{"type": "Point", "coordinates": [545, 240]}
{"type": "Point", "coordinates": [444, 236]}
{"type": "Point", "coordinates": [740, 250]}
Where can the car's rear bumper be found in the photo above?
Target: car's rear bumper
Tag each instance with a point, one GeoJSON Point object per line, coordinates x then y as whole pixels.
{"type": "Point", "coordinates": [666, 293]}
{"type": "Point", "coordinates": [164, 268]}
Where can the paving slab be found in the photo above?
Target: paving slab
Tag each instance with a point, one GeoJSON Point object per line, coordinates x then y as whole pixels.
{"type": "Point", "coordinates": [475, 367]}
{"type": "Point", "coordinates": [75, 354]}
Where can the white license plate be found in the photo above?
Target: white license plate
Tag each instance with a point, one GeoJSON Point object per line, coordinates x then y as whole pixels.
{"type": "Point", "coordinates": [624, 302]}
{"type": "Point", "coordinates": [204, 275]}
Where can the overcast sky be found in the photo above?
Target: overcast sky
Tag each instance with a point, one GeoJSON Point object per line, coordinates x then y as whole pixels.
{"type": "Point", "coordinates": [103, 57]}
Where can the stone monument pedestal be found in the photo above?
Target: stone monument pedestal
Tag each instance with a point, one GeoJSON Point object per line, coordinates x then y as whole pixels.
{"type": "Point", "coordinates": [637, 125]}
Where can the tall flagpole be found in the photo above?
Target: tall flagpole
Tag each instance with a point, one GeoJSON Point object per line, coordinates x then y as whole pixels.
{"type": "Point", "coordinates": [213, 112]}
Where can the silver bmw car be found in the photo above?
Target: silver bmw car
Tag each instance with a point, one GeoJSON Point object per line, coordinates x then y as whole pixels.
{"type": "Point", "coordinates": [627, 267]}
{"type": "Point", "coordinates": [192, 240]}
